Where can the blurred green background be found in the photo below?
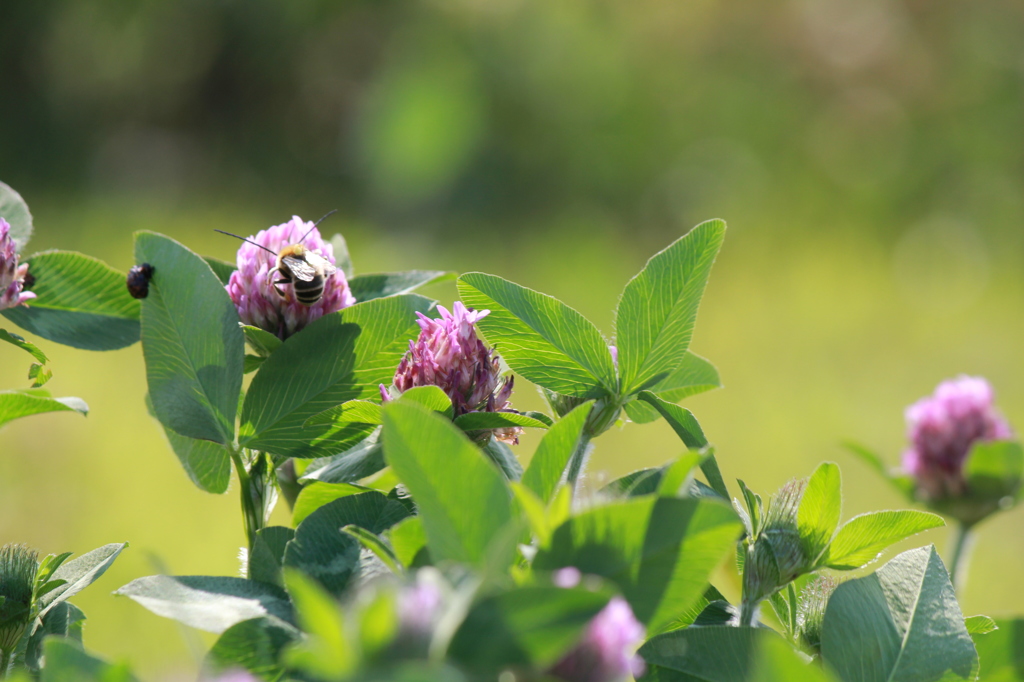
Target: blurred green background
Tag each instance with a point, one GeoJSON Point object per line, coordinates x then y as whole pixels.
{"type": "Point", "coordinates": [867, 154]}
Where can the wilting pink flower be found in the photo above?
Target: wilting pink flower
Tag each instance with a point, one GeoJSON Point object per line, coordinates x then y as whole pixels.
{"type": "Point", "coordinates": [607, 651]}
{"type": "Point", "coordinates": [448, 354]}
{"type": "Point", "coordinates": [943, 427]}
{"type": "Point", "coordinates": [251, 286]}
{"type": "Point", "coordinates": [12, 275]}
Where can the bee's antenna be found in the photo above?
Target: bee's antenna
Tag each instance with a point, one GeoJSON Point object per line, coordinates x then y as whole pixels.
{"type": "Point", "coordinates": [325, 216]}
{"type": "Point", "coordinates": [246, 240]}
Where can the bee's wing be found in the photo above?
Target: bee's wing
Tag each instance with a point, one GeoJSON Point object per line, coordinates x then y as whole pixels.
{"type": "Point", "coordinates": [319, 262]}
{"type": "Point", "coordinates": [300, 269]}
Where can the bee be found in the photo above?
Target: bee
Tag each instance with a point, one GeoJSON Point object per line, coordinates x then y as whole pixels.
{"type": "Point", "coordinates": [305, 270]}
{"type": "Point", "coordinates": [138, 280]}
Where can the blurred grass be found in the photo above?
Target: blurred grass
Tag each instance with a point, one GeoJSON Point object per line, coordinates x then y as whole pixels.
{"type": "Point", "coordinates": [816, 339]}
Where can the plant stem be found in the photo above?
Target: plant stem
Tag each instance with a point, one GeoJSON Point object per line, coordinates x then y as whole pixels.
{"type": "Point", "coordinates": [5, 662]}
{"type": "Point", "coordinates": [961, 556]}
{"type": "Point", "coordinates": [253, 519]}
{"type": "Point", "coordinates": [576, 461]}
{"type": "Point", "coordinates": [748, 613]}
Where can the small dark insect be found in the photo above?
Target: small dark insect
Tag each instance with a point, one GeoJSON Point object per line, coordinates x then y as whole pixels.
{"type": "Point", "coordinates": [306, 271]}
{"type": "Point", "coordinates": [138, 280]}
{"type": "Point", "coordinates": [29, 282]}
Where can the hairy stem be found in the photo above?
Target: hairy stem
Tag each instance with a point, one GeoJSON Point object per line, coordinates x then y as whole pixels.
{"type": "Point", "coordinates": [963, 539]}
{"type": "Point", "coordinates": [252, 517]}
{"type": "Point", "coordinates": [748, 613]}
{"type": "Point", "coordinates": [577, 460]}
{"type": "Point", "coordinates": [5, 662]}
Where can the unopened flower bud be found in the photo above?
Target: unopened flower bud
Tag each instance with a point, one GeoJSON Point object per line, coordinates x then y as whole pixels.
{"type": "Point", "coordinates": [942, 429]}
{"type": "Point", "coordinates": [607, 650]}
{"type": "Point", "coordinates": [12, 274]}
{"type": "Point", "coordinates": [18, 566]}
{"type": "Point", "coordinates": [449, 354]}
{"type": "Point", "coordinates": [811, 613]}
{"type": "Point", "coordinates": [777, 556]}
{"type": "Point", "coordinates": [782, 532]}
{"type": "Point", "coordinates": [256, 296]}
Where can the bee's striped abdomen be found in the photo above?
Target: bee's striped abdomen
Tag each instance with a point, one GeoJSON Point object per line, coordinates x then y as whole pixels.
{"type": "Point", "coordinates": [308, 293]}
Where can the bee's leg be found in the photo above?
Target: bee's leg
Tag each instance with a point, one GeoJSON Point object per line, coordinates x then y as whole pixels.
{"type": "Point", "coordinates": [270, 276]}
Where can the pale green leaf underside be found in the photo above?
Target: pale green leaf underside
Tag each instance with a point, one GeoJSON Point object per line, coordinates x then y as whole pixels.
{"type": "Point", "coordinates": [23, 403]}
{"type": "Point", "coordinates": [899, 624]}
{"type": "Point", "coordinates": [81, 572]}
{"type": "Point", "coordinates": [210, 603]}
